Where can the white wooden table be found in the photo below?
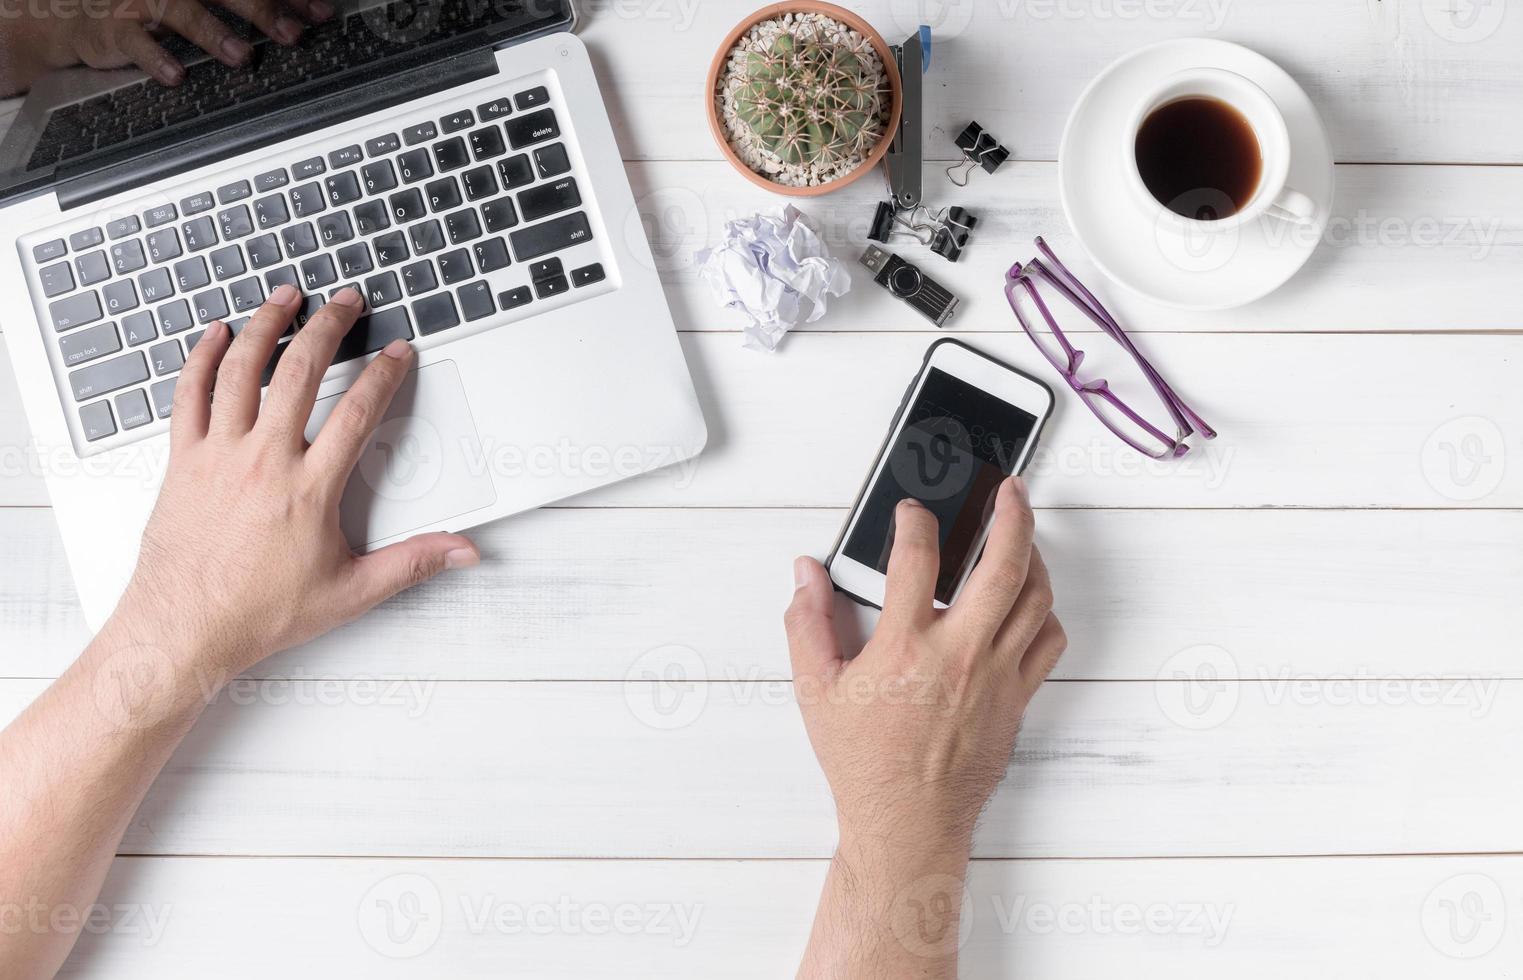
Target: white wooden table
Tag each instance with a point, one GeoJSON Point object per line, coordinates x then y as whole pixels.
{"type": "Point", "coordinates": [583, 759]}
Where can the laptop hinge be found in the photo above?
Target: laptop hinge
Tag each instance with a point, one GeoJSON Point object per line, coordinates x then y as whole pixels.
{"type": "Point", "coordinates": [268, 128]}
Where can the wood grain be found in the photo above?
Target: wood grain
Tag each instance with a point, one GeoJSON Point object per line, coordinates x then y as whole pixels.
{"type": "Point", "coordinates": [1369, 919]}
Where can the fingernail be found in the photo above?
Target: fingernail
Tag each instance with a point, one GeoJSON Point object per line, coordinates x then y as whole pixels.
{"type": "Point", "coordinates": [214, 332]}
{"type": "Point", "coordinates": [911, 503]}
{"type": "Point", "coordinates": [461, 558]}
{"type": "Point", "coordinates": [322, 10]}
{"type": "Point", "coordinates": [285, 294]}
{"type": "Point", "coordinates": [397, 350]}
{"type": "Point", "coordinates": [800, 572]}
{"type": "Point", "coordinates": [170, 73]}
{"type": "Point", "coordinates": [236, 50]}
{"type": "Point", "coordinates": [348, 296]}
{"type": "Point", "coordinates": [287, 30]}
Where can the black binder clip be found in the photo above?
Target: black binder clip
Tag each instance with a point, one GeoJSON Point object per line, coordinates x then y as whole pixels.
{"type": "Point", "coordinates": [945, 232]}
{"type": "Point", "coordinates": [979, 149]}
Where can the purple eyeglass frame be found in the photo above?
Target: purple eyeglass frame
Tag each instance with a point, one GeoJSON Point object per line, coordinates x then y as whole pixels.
{"type": "Point", "coordinates": [1048, 269]}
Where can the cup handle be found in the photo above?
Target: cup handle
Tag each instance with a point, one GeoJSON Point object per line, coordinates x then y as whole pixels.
{"type": "Point", "coordinates": [1293, 206]}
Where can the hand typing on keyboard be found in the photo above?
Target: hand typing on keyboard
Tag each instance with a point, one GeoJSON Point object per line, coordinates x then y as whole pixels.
{"type": "Point", "coordinates": [243, 556]}
{"type": "Point", "coordinates": [129, 34]}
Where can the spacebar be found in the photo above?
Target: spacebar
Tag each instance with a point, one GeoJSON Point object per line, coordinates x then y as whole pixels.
{"type": "Point", "coordinates": [552, 236]}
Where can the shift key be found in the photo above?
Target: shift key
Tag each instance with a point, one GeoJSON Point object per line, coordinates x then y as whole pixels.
{"type": "Point", "coordinates": [551, 236]}
{"type": "Point", "coordinates": [108, 376]}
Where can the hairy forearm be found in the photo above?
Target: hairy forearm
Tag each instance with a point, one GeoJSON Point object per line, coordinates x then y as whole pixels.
{"type": "Point", "coordinates": [76, 764]}
{"type": "Point", "coordinates": [889, 912]}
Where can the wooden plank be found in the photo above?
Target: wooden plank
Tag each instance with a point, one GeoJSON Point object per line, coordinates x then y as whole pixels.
{"type": "Point", "coordinates": [1398, 235]}
{"type": "Point", "coordinates": [672, 768]}
{"type": "Point", "coordinates": [583, 594]}
{"type": "Point", "coordinates": [1404, 81]}
{"type": "Point", "coordinates": [1307, 421]}
{"type": "Point", "coordinates": [1376, 918]}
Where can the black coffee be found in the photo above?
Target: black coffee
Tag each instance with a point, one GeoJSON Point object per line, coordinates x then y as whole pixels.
{"type": "Point", "coordinates": [1199, 157]}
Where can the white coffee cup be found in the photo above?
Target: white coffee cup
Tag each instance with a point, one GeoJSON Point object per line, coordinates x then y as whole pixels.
{"type": "Point", "coordinates": [1271, 197]}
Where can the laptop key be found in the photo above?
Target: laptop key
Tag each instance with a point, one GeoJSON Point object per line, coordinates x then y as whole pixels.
{"type": "Point", "coordinates": [486, 143]}
{"type": "Point", "coordinates": [191, 274]}
{"type": "Point", "coordinates": [56, 279]}
{"type": "Point", "coordinates": [235, 223]}
{"type": "Point", "coordinates": [200, 234]}
{"type": "Point", "coordinates": [346, 157]}
{"type": "Point", "coordinates": [318, 272]}
{"type": "Point", "coordinates": [407, 206]}
{"type": "Point", "coordinates": [166, 358]}
{"type": "Point", "coordinates": [284, 276]}
{"type": "Point", "coordinates": [547, 269]}
{"type": "Point", "coordinates": [271, 212]}
{"type": "Point", "coordinates": [163, 395]}
{"type": "Point", "coordinates": [533, 98]}
{"type": "Point", "coordinates": [89, 238]}
{"type": "Point", "coordinates": [272, 181]}
{"type": "Point", "coordinates": [343, 188]}
{"type": "Point", "coordinates": [587, 275]}
{"type": "Point", "coordinates": [299, 240]}
{"type": "Point", "coordinates": [105, 377]}
{"type": "Point", "coordinates": [211, 305]}
{"type": "Point", "coordinates": [551, 236]}
{"type": "Point", "coordinates": [456, 121]}
{"type": "Point", "coordinates": [514, 298]}
{"type": "Point", "coordinates": [451, 154]}
{"type": "Point", "coordinates": [435, 314]}
{"type": "Point", "coordinates": [516, 172]}
{"type": "Point", "coordinates": [197, 203]}
{"type": "Point", "coordinates": [247, 294]}
{"type": "Point", "coordinates": [382, 145]}
{"type": "Point", "coordinates": [372, 216]}
{"type": "Point", "coordinates": [92, 268]}
{"type": "Point", "coordinates": [547, 199]}
{"type": "Point", "coordinates": [418, 279]}
{"type": "Point", "coordinates": [421, 133]}
{"type": "Point", "coordinates": [164, 246]}
{"type": "Point", "coordinates": [119, 297]}
{"type": "Point", "coordinates": [475, 301]}
{"type": "Point", "coordinates": [75, 311]}
{"type": "Point", "coordinates": [96, 421]}
{"type": "Point", "coordinates": [496, 109]}
{"type": "Point", "coordinates": [139, 328]}
{"type": "Point", "coordinates": [234, 192]}
{"type": "Point", "coordinates": [374, 332]}
{"type": "Point", "coordinates": [174, 318]}
{"type": "Point", "coordinates": [335, 228]}
{"type": "Point", "coordinates": [308, 169]}
{"type": "Point", "coordinates": [355, 260]}
{"type": "Point", "coordinates": [500, 214]}
{"type": "Point", "coordinates": [479, 183]}
{"type": "Point", "coordinates": [83, 346]}
{"type": "Point", "coordinates": [455, 266]}
{"type": "Point", "coordinates": [537, 127]}
{"type": "Point", "coordinates": [382, 290]}
{"type": "Point", "coordinates": [308, 200]}
{"type": "Point", "coordinates": [443, 194]}
{"type": "Point", "coordinates": [492, 255]}
{"type": "Point", "coordinates": [463, 226]}
{"type": "Point", "coordinates": [192, 340]}
{"type": "Point", "coordinates": [128, 257]}
{"type": "Point", "coordinates": [426, 237]}
{"type": "Point", "coordinates": [122, 227]}
{"type": "Point", "coordinates": [161, 215]}
{"type": "Point", "coordinates": [391, 248]}
{"type": "Point", "coordinates": [133, 409]}
{"type": "Point", "coordinates": [552, 161]}
{"type": "Point", "coordinates": [415, 165]}
{"type": "Point", "coordinates": [545, 288]}
{"type": "Point", "coordinates": [310, 305]}
{"type": "Point", "coordinates": [227, 263]}
{"type": "Point", "coordinates": [379, 177]}
{"type": "Point", "coordinates": [264, 252]}
{"type": "Point", "coordinates": [48, 251]}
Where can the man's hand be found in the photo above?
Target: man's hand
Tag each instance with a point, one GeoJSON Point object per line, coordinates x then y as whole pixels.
{"type": "Point", "coordinates": [915, 733]}
{"type": "Point", "coordinates": [244, 556]}
{"type": "Point", "coordinates": [125, 32]}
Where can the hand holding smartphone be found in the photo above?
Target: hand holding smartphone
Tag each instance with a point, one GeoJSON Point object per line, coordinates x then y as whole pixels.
{"type": "Point", "coordinates": [966, 423]}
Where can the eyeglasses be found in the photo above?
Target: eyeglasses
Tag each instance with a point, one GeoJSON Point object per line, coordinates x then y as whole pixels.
{"type": "Point", "coordinates": [1128, 426]}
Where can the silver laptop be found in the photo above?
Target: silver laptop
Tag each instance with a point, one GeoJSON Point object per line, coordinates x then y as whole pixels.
{"type": "Point", "coordinates": [456, 165]}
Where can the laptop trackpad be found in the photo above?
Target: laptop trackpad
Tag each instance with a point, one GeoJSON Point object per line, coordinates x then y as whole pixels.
{"type": "Point", "coordinates": [422, 466]}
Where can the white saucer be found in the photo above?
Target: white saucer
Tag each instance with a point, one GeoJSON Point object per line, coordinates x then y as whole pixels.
{"type": "Point", "coordinates": [1150, 256]}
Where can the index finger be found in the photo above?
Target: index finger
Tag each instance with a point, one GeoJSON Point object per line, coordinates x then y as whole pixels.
{"type": "Point", "coordinates": [996, 581]}
{"type": "Point", "coordinates": [913, 565]}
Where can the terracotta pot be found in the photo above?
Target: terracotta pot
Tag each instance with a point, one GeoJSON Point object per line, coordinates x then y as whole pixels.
{"type": "Point", "coordinates": [851, 20]}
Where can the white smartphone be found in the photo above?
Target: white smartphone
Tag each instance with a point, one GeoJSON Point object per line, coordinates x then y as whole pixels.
{"type": "Point", "coordinates": [966, 423]}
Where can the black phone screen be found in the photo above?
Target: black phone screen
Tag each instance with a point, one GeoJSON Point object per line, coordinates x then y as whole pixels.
{"type": "Point", "coordinates": [956, 445]}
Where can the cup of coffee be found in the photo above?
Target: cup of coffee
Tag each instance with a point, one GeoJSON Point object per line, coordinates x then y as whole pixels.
{"type": "Point", "coordinates": [1208, 150]}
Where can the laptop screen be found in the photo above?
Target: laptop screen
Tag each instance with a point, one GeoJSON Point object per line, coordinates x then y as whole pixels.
{"type": "Point", "coordinates": [83, 122]}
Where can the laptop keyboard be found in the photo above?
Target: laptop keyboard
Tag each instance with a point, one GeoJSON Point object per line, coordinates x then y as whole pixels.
{"type": "Point", "coordinates": [422, 220]}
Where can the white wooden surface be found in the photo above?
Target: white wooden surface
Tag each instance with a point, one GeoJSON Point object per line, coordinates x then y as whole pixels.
{"type": "Point", "coordinates": [1301, 645]}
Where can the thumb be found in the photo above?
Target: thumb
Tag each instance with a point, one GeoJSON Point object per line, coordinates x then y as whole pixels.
{"type": "Point", "coordinates": [810, 621]}
{"type": "Point", "coordinates": [382, 574]}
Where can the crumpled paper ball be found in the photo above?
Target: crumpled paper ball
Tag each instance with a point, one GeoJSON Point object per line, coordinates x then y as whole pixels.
{"type": "Point", "coordinates": [776, 269]}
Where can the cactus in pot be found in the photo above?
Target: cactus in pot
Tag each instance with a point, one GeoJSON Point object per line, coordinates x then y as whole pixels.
{"type": "Point", "coordinates": [810, 102]}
